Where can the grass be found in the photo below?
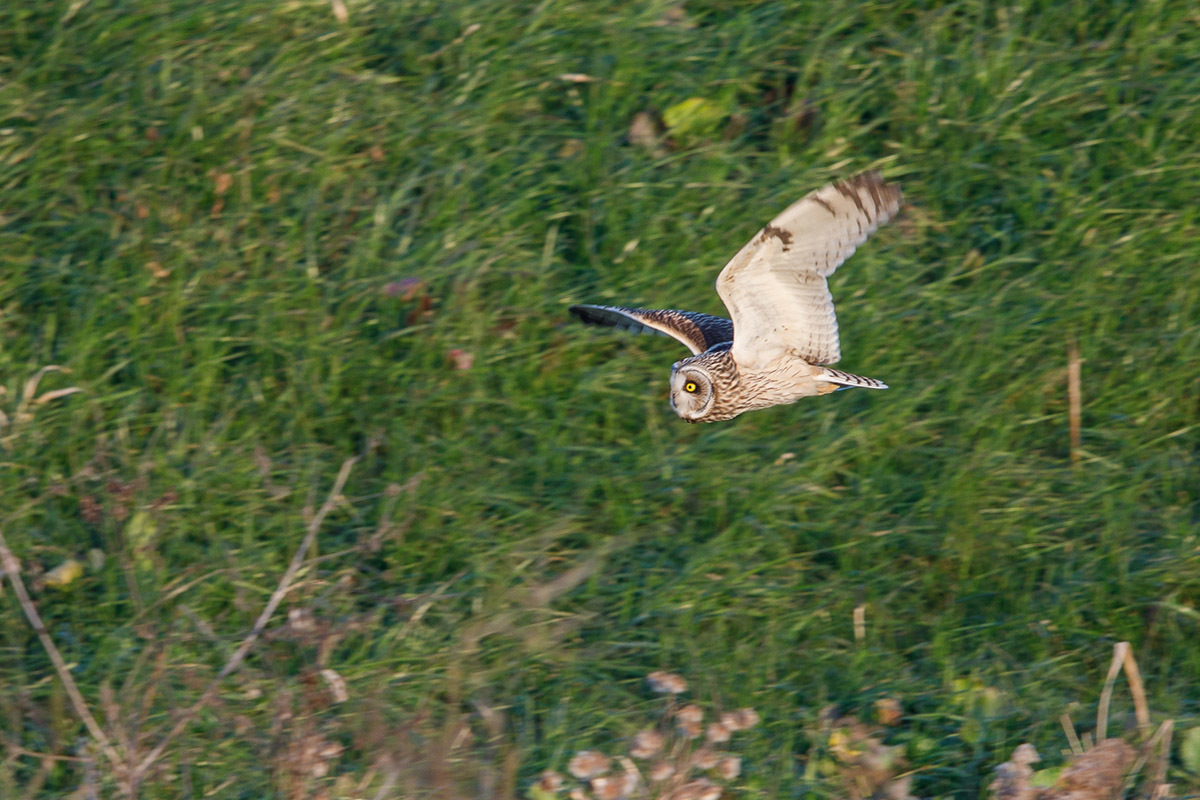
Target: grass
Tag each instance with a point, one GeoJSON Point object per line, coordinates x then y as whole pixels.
{"type": "Point", "coordinates": [253, 234]}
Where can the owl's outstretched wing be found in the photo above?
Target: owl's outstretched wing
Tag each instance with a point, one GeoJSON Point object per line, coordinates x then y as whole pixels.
{"type": "Point", "coordinates": [775, 286]}
{"type": "Point", "coordinates": [698, 331]}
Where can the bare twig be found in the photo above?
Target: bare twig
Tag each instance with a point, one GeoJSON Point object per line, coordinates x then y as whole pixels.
{"type": "Point", "coordinates": [13, 568]}
{"type": "Point", "coordinates": [1120, 653]}
{"type": "Point", "coordinates": [260, 624]}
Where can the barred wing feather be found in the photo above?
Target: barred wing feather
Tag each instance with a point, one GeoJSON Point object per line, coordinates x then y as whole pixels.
{"type": "Point", "coordinates": [775, 287]}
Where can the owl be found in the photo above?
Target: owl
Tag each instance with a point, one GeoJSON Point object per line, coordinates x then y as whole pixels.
{"type": "Point", "coordinates": [783, 334]}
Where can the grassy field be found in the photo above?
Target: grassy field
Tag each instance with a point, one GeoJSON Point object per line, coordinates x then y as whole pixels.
{"type": "Point", "coordinates": [265, 237]}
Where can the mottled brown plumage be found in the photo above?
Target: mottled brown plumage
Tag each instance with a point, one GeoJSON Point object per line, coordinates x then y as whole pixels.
{"type": "Point", "coordinates": [784, 330]}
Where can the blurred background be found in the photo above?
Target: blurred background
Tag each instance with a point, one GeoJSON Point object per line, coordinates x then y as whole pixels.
{"type": "Point", "coordinates": [260, 238]}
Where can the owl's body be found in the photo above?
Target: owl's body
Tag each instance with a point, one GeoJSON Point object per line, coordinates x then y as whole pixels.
{"type": "Point", "coordinates": [736, 390]}
{"type": "Point", "coordinates": [784, 331]}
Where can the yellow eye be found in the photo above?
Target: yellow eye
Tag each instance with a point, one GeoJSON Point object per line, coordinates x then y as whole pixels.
{"type": "Point", "coordinates": [689, 387]}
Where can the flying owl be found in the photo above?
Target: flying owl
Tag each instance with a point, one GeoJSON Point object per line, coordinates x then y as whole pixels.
{"type": "Point", "coordinates": [784, 333]}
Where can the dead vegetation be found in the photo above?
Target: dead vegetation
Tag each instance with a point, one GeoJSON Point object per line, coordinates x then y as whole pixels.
{"type": "Point", "coordinates": [129, 762]}
{"type": "Point", "coordinates": [456, 744]}
{"type": "Point", "coordinates": [860, 761]}
{"type": "Point", "coordinates": [684, 755]}
{"type": "Point", "coordinates": [1109, 769]}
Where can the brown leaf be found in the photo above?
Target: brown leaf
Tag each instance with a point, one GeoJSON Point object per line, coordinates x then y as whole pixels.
{"type": "Point", "coordinates": [461, 359]}
{"type": "Point", "coordinates": [888, 710]}
{"type": "Point", "coordinates": [676, 17]}
{"type": "Point", "coordinates": [661, 771]}
{"type": "Point", "coordinates": [405, 288]}
{"type": "Point", "coordinates": [90, 509]}
{"type": "Point", "coordinates": [422, 312]}
{"type": "Point", "coordinates": [46, 397]}
{"type": "Point", "coordinates": [716, 733]}
{"type": "Point", "coordinates": [588, 764]}
{"type": "Point", "coordinates": [646, 744]}
{"type": "Point", "coordinates": [666, 682]}
{"type": "Point", "coordinates": [645, 131]}
{"type": "Point", "coordinates": [735, 127]}
{"type": "Point", "coordinates": [550, 781]}
{"type": "Point", "coordinates": [337, 685]}
{"type": "Point", "coordinates": [221, 183]}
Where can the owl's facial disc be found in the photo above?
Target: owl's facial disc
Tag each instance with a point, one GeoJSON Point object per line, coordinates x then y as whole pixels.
{"type": "Point", "coordinates": [691, 392]}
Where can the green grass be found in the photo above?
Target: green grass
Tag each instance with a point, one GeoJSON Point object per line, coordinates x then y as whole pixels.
{"type": "Point", "coordinates": [202, 207]}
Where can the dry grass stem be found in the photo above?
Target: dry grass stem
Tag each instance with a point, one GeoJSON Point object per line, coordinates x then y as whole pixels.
{"type": "Point", "coordinates": [1134, 676]}
{"type": "Point", "coordinates": [29, 398]}
{"type": "Point", "coordinates": [1120, 651]}
{"type": "Point", "coordinates": [1074, 399]}
{"type": "Point", "coordinates": [13, 569]}
{"type": "Point", "coordinates": [1160, 741]}
{"type": "Point", "coordinates": [1072, 738]}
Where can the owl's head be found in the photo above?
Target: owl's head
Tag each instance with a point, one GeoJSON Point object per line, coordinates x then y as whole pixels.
{"type": "Point", "coordinates": [692, 392]}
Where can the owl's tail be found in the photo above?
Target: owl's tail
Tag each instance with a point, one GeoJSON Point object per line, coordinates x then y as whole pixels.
{"type": "Point", "coordinates": [844, 380]}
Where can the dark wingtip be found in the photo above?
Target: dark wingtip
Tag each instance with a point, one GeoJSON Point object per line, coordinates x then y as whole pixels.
{"type": "Point", "coordinates": [584, 313]}
{"type": "Point", "coordinates": [872, 180]}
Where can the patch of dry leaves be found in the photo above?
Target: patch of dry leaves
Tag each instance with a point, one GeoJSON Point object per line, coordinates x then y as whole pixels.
{"type": "Point", "coordinates": [681, 756]}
